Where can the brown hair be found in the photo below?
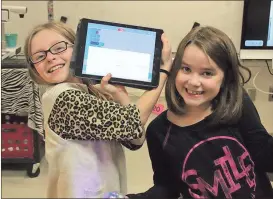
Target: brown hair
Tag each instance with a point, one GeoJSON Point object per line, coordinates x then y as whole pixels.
{"type": "Point", "coordinates": [227, 105]}
{"type": "Point", "coordinates": [66, 32]}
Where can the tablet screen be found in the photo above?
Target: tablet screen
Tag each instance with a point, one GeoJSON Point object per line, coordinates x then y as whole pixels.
{"type": "Point", "coordinates": [124, 52]}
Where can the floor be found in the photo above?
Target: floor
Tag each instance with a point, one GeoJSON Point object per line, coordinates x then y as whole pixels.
{"type": "Point", "coordinates": [16, 184]}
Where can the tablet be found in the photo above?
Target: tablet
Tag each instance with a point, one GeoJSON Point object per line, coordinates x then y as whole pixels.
{"type": "Point", "coordinates": [132, 54]}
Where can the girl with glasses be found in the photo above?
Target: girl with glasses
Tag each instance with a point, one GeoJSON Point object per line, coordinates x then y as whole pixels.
{"type": "Point", "coordinates": [85, 125]}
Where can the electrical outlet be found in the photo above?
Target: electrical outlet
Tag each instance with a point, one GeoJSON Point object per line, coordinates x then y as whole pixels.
{"type": "Point", "coordinates": [270, 97]}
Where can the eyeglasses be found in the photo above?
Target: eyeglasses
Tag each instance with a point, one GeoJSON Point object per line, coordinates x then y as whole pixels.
{"type": "Point", "coordinates": [55, 49]}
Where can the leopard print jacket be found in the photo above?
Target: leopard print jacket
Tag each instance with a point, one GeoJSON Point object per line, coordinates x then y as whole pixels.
{"type": "Point", "coordinates": [78, 115]}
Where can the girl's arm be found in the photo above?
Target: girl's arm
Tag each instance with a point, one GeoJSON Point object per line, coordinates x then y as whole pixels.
{"type": "Point", "coordinates": [74, 114]}
{"type": "Point", "coordinates": [146, 102]}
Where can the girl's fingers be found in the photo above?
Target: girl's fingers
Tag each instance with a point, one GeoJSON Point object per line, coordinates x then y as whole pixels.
{"type": "Point", "coordinates": [105, 80]}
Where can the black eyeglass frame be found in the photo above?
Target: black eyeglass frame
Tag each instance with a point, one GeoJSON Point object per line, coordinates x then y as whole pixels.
{"type": "Point", "coordinates": [49, 50]}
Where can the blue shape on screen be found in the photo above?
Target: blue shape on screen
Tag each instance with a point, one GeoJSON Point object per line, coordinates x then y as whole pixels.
{"type": "Point", "coordinates": [150, 76]}
{"type": "Point", "coordinates": [96, 43]}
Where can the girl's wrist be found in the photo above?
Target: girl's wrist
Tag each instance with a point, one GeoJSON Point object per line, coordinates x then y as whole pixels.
{"type": "Point", "coordinates": [166, 66]}
{"type": "Point", "coordinates": [165, 71]}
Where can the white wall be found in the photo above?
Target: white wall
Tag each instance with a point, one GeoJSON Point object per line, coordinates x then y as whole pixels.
{"type": "Point", "coordinates": [36, 14]}
{"type": "Point", "coordinates": [175, 17]}
{"type": "Point", "coordinates": [263, 81]}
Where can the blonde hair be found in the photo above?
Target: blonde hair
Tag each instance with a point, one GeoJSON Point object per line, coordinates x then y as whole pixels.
{"type": "Point", "coordinates": [67, 33]}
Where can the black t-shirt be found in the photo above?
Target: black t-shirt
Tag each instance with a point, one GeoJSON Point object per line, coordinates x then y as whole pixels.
{"type": "Point", "coordinates": [200, 161]}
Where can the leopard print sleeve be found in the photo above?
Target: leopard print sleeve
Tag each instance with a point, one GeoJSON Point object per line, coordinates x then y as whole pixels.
{"type": "Point", "coordinates": [80, 116]}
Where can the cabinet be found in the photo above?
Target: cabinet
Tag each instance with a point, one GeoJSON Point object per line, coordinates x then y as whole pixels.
{"type": "Point", "coordinates": [22, 132]}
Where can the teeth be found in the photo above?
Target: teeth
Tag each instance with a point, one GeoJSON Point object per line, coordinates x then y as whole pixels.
{"type": "Point", "coordinates": [195, 92]}
{"type": "Point", "coordinates": [55, 68]}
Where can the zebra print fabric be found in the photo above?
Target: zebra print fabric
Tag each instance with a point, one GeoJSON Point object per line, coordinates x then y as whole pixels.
{"type": "Point", "coordinates": [20, 96]}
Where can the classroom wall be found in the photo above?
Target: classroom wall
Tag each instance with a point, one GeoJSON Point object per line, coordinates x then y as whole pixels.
{"type": "Point", "coordinates": [36, 14]}
{"type": "Point", "coordinates": [175, 17]}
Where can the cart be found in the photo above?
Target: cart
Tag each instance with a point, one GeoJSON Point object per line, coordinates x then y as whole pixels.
{"type": "Point", "coordinates": [21, 118]}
